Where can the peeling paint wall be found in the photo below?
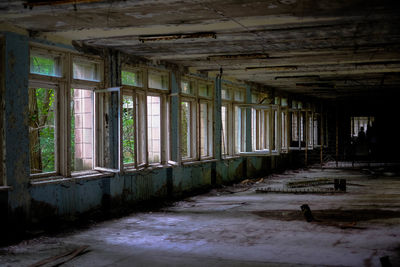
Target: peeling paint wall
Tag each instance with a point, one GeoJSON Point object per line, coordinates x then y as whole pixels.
{"type": "Point", "coordinates": [16, 122]}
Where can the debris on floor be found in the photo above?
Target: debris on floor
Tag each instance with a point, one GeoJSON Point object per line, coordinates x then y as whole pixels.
{"type": "Point", "coordinates": [307, 183]}
{"type": "Point", "coordinates": [297, 191]}
{"type": "Point", "coordinates": [307, 213]}
{"type": "Point", "coordinates": [62, 258]}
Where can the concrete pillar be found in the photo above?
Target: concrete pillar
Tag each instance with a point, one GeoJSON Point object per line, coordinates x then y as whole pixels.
{"type": "Point", "coordinates": [248, 119]}
{"type": "Point", "coordinates": [174, 119]}
{"type": "Point", "coordinates": [16, 130]}
{"type": "Point", "coordinates": [217, 119]}
{"type": "Point", "coordinates": [114, 79]}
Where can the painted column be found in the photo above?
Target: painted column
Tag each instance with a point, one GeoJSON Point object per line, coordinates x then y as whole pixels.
{"type": "Point", "coordinates": [16, 129]}
{"type": "Point", "coordinates": [174, 119]}
{"type": "Point", "coordinates": [248, 119]}
{"type": "Point", "coordinates": [217, 119]}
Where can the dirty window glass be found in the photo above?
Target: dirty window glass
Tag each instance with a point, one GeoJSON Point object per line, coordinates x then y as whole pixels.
{"type": "Point", "coordinates": [44, 65]}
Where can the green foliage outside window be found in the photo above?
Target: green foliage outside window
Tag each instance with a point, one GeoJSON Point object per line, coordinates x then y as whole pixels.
{"type": "Point", "coordinates": [42, 130]}
{"type": "Point", "coordinates": [128, 140]}
{"type": "Point", "coordinates": [43, 65]}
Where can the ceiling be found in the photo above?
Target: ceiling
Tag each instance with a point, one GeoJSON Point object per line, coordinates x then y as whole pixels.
{"type": "Point", "coordinates": [322, 48]}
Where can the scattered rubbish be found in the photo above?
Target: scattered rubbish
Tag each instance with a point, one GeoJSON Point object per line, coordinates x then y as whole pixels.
{"type": "Point", "coordinates": [70, 255]}
{"type": "Point", "coordinates": [307, 183]}
{"type": "Point", "coordinates": [298, 191]}
{"type": "Point", "coordinates": [385, 262]}
{"type": "Point", "coordinates": [340, 185]}
{"type": "Point", "coordinates": [247, 181]}
{"type": "Point", "coordinates": [307, 213]}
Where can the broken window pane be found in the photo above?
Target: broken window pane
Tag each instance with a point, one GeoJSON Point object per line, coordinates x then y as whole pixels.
{"type": "Point", "coordinates": [42, 130]}
{"type": "Point", "coordinates": [82, 130]}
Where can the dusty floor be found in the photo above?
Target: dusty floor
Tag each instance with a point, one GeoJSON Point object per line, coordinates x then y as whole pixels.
{"type": "Point", "coordinates": [236, 226]}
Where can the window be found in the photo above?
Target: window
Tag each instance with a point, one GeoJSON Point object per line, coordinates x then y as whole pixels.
{"type": "Point", "coordinates": [42, 130]}
{"type": "Point", "coordinates": [82, 124]}
{"type": "Point", "coordinates": [158, 80]}
{"type": "Point", "coordinates": [86, 70]}
{"type": "Point", "coordinates": [206, 128]}
{"type": "Point", "coordinates": [317, 129]}
{"type": "Point", "coordinates": [240, 129]}
{"type": "Point", "coordinates": [224, 129]}
{"type": "Point", "coordinates": [196, 132]}
{"type": "Point", "coordinates": [128, 129]}
{"type": "Point", "coordinates": [310, 131]}
{"type": "Point", "coordinates": [302, 130]}
{"type": "Point", "coordinates": [262, 118]}
{"type": "Point", "coordinates": [360, 125]}
{"type": "Point", "coordinates": [132, 77]}
{"type": "Point", "coordinates": [233, 118]}
{"type": "Point", "coordinates": [154, 128]}
{"type": "Point", "coordinates": [188, 129]}
{"type": "Point", "coordinates": [144, 120]}
{"type": "Point", "coordinates": [260, 132]}
{"type": "Point", "coordinates": [63, 115]}
{"type": "Point", "coordinates": [45, 63]}
{"type": "Point", "coordinates": [187, 87]}
{"type": "Point", "coordinates": [284, 125]}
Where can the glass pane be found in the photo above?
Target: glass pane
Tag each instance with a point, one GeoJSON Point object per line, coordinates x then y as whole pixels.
{"type": "Point", "coordinates": [131, 78]}
{"type": "Point", "coordinates": [275, 130]}
{"type": "Point", "coordinates": [294, 129]}
{"type": "Point", "coordinates": [82, 130]}
{"type": "Point", "coordinates": [284, 102]}
{"type": "Point", "coordinates": [140, 125]}
{"type": "Point", "coordinates": [86, 70]}
{"type": "Point", "coordinates": [239, 96]}
{"type": "Point", "coordinates": [42, 130]}
{"type": "Point", "coordinates": [225, 94]}
{"type": "Point", "coordinates": [185, 128]}
{"type": "Point", "coordinates": [205, 90]}
{"type": "Point", "coordinates": [224, 134]}
{"type": "Point", "coordinates": [154, 128]}
{"type": "Point", "coordinates": [187, 87]}
{"type": "Point", "coordinates": [204, 125]}
{"type": "Point", "coordinates": [158, 81]}
{"type": "Point", "coordinates": [254, 129]}
{"type": "Point", "coordinates": [128, 139]}
{"type": "Point", "coordinates": [45, 65]}
{"type": "Point", "coordinates": [240, 128]}
{"type": "Point", "coordinates": [284, 130]}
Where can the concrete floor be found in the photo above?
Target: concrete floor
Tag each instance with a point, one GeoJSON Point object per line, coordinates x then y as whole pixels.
{"type": "Point", "coordinates": [235, 226]}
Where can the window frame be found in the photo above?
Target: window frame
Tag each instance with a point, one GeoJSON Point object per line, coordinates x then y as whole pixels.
{"type": "Point", "coordinates": [196, 100]}
{"type": "Point", "coordinates": [62, 85]}
{"type": "Point", "coordinates": [139, 95]}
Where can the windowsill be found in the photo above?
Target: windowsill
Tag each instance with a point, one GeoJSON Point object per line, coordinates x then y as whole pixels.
{"type": "Point", "coordinates": [197, 162]}
{"type": "Point", "coordinates": [87, 175]}
{"type": "Point", "coordinates": [230, 157]}
{"type": "Point", "coordinates": [5, 188]}
{"type": "Point", "coordinates": [255, 153]}
{"type": "Point", "coordinates": [132, 169]}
